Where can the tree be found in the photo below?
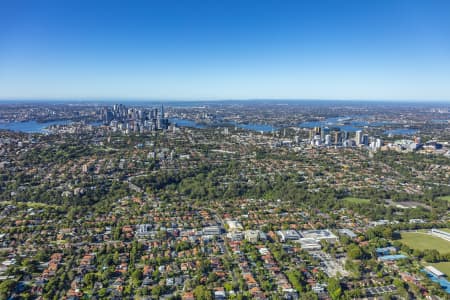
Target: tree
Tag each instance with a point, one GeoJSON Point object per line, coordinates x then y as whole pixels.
{"type": "Point", "coordinates": [431, 255]}
{"type": "Point", "coordinates": [354, 252]}
{"type": "Point", "coordinates": [156, 291]}
{"type": "Point", "coordinates": [102, 292]}
{"type": "Point", "coordinates": [309, 296]}
{"type": "Point", "coordinates": [6, 288]}
{"type": "Point", "coordinates": [388, 233]}
{"type": "Point", "coordinates": [334, 288]}
{"type": "Point", "coordinates": [212, 277]}
{"type": "Point", "coordinates": [202, 293]}
{"type": "Point", "coordinates": [228, 286]}
{"type": "Point", "coordinates": [136, 277]}
{"type": "Point", "coordinates": [116, 257]}
{"type": "Point", "coordinates": [89, 279]}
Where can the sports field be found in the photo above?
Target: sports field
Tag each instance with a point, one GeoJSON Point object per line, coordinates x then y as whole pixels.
{"type": "Point", "coordinates": [445, 198]}
{"type": "Point", "coordinates": [422, 241]}
{"type": "Point", "coordinates": [356, 200]}
{"type": "Point", "coordinates": [443, 267]}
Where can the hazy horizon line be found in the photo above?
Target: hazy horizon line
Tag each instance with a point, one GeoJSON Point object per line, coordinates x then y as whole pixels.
{"type": "Point", "coordinates": [218, 100]}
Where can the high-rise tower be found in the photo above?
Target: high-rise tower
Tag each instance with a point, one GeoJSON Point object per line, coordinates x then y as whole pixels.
{"type": "Point", "coordinates": [358, 137]}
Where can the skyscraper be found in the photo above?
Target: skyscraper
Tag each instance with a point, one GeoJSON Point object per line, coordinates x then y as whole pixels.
{"type": "Point", "coordinates": [365, 140]}
{"type": "Point", "coordinates": [358, 136]}
{"type": "Point", "coordinates": [338, 137]}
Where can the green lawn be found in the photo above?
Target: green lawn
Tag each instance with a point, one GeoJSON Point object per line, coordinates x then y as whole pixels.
{"type": "Point", "coordinates": [445, 229]}
{"type": "Point", "coordinates": [356, 200]}
{"type": "Point", "coordinates": [443, 267]}
{"type": "Point", "coordinates": [445, 198]}
{"type": "Point", "coordinates": [422, 241]}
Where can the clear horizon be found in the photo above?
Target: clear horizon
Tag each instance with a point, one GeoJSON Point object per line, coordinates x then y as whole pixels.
{"type": "Point", "coordinates": [232, 50]}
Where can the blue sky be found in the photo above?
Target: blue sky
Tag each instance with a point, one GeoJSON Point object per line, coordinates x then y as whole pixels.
{"type": "Point", "coordinates": [225, 49]}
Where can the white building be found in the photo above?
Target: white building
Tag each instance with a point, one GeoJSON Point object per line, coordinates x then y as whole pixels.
{"type": "Point", "coordinates": [348, 233]}
{"type": "Point", "coordinates": [143, 230]}
{"type": "Point", "coordinates": [358, 137]}
{"type": "Point", "coordinates": [434, 271]}
{"type": "Point", "coordinates": [286, 235]}
{"type": "Point", "coordinates": [211, 230]}
{"type": "Point", "coordinates": [252, 236]}
{"type": "Point", "coordinates": [309, 244]}
{"type": "Point", "coordinates": [235, 236]}
{"type": "Point", "coordinates": [320, 235]}
{"type": "Point", "coordinates": [234, 225]}
{"type": "Point", "coordinates": [442, 234]}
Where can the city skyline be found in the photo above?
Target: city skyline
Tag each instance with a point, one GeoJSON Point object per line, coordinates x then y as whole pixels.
{"type": "Point", "coordinates": [388, 50]}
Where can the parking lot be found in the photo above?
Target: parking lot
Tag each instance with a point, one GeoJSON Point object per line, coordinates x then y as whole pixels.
{"type": "Point", "coordinates": [330, 265]}
{"type": "Point", "coordinates": [380, 290]}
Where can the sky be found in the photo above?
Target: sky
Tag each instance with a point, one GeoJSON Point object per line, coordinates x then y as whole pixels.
{"type": "Point", "coordinates": [225, 49]}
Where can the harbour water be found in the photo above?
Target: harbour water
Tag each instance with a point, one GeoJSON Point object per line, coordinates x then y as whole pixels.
{"type": "Point", "coordinates": [185, 123]}
{"type": "Point", "coordinates": [347, 124]}
{"type": "Point", "coordinates": [350, 126]}
{"type": "Point", "coordinates": [401, 131]}
{"type": "Point", "coordinates": [31, 126]}
{"type": "Point", "coordinates": [257, 127]}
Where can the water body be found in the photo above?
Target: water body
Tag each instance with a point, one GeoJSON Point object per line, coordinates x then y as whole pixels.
{"type": "Point", "coordinates": [344, 124]}
{"type": "Point", "coordinates": [35, 127]}
{"type": "Point", "coordinates": [31, 126]}
{"type": "Point", "coordinates": [186, 123]}
{"type": "Point", "coordinates": [441, 121]}
{"type": "Point", "coordinates": [352, 126]}
{"type": "Point", "coordinates": [401, 131]}
{"type": "Point", "coordinates": [257, 127]}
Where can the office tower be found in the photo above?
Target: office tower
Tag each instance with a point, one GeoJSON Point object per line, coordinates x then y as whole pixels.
{"type": "Point", "coordinates": [358, 137]}
{"type": "Point", "coordinates": [338, 137]}
{"type": "Point", "coordinates": [378, 143]}
{"type": "Point", "coordinates": [312, 133]}
{"type": "Point", "coordinates": [324, 132]}
{"type": "Point", "coordinates": [317, 130]}
{"type": "Point", "coordinates": [346, 135]}
{"type": "Point", "coordinates": [365, 140]}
